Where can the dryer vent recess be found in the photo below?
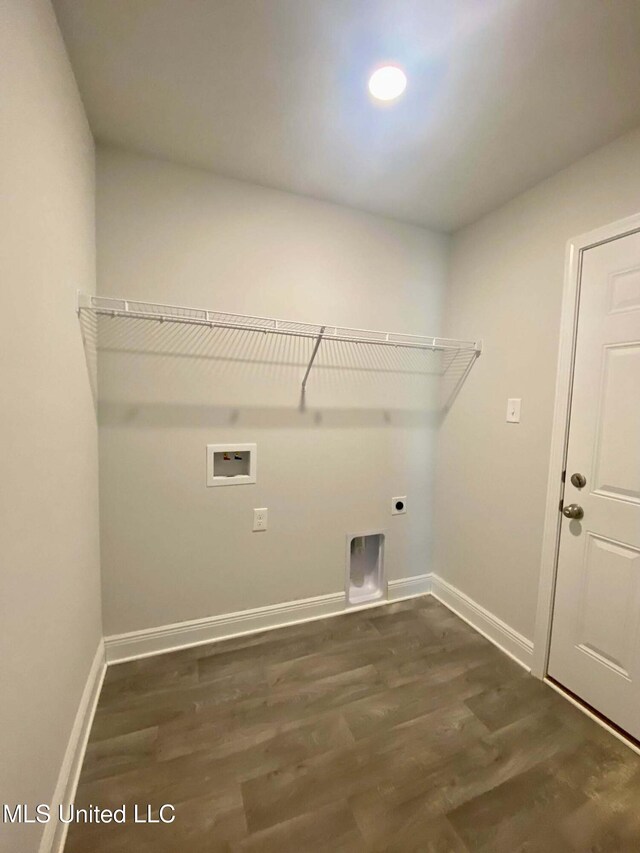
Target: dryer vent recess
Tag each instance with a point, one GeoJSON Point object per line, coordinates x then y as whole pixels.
{"type": "Point", "coordinates": [365, 568]}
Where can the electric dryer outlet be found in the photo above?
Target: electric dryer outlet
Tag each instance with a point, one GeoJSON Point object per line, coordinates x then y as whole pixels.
{"type": "Point", "coordinates": [399, 505]}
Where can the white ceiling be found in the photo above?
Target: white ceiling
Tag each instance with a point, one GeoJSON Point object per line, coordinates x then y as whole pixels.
{"type": "Point", "coordinates": [501, 94]}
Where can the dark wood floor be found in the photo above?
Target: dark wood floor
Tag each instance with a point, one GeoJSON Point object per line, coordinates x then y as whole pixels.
{"type": "Point", "coordinates": [397, 729]}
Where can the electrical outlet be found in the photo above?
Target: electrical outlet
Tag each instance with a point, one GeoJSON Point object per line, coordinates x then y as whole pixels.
{"type": "Point", "coordinates": [260, 519]}
{"type": "Point", "coordinates": [399, 505]}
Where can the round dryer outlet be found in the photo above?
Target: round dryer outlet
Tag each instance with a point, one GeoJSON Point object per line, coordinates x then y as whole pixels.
{"type": "Point", "coordinates": [399, 505]}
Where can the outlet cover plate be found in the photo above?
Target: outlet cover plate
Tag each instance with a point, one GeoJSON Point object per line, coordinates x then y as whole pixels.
{"type": "Point", "coordinates": [260, 519]}
{"type": "Point", "coordinates": [399, 505]}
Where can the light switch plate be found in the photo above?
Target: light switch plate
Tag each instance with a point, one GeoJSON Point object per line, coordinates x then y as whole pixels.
{"type": "Point", "coordinates": [513, 410]}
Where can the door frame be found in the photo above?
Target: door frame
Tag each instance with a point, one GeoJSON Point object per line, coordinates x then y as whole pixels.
{"type": "Point", "coordinates": [576, 247]}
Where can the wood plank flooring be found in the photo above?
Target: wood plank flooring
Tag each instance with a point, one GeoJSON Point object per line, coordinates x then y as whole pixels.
{"type": "Point", "coordinates": [393, 729]}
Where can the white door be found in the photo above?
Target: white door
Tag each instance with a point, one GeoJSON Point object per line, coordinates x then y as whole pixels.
{"type": "Point", "coordinates": [595, 639]}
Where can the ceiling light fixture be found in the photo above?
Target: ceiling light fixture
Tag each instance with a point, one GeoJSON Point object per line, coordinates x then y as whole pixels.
{"type": "Point", "coordinates": [387, 83]}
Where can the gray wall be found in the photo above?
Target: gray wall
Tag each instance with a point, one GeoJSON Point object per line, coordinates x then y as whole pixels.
{"type": "Point", "coordinates": [49, 577]}
{"type": "Point", "coordinates": [174, 550]}
{"type": "Point", "coordinates": [505, 286]}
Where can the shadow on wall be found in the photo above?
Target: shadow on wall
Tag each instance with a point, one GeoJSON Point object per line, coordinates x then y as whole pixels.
{"type": "Point", "coordinates": [170, 375]}
{"type": "Point", "coordinates": [89, 332]}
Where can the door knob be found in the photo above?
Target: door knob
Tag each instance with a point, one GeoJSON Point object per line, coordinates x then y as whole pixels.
{"type": "Point", "coordinates": [573, 511]}
{"type": "Point", "coordinates": [578, 480]}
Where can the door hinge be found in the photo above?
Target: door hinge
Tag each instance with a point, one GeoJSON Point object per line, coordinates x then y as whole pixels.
{"type": "Point", "coordinates": [564, 476]}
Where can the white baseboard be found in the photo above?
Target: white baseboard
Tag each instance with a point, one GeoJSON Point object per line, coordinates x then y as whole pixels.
{"type": "Point", "coordinates": [167, 638]}
{"type": "Point", "coordinates": [409, 587]}
{"type": "Point", "coordinates": [55, 833]}
{"type": "Point", "coordinates": [486, 623]}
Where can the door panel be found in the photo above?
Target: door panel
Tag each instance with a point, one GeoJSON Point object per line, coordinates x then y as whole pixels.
{"type": "Point", "coordinates": [624, 289]}
{"type": "Point", "coordinates": [617, 466]}
{"type": "Point", "coordinates": [595, 640]}
{"type": "Point", "coordinates": [610, 570]}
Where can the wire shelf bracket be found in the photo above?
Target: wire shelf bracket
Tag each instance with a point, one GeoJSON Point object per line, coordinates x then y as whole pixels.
{"type": "Point", "coordinates": [161, 313]}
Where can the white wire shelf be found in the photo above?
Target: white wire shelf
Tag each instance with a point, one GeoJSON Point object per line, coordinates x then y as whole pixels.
{"type": "Point", "coordinates": [115, 307]}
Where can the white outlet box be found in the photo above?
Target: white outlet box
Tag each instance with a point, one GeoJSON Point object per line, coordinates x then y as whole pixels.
{"type": "Point", "coordinates": [260, 519]}
{"type": "Point", "coordinates": [231, 464]}
{"type": "Point", "coordinates": [399, 505]}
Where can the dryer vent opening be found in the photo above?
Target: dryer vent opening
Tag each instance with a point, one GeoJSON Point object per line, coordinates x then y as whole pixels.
{"type": "Point", "coordinates": [365, 568]}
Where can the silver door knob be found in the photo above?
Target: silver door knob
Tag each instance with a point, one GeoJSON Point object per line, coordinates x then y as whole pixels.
{"type": "Point", "coordinates": [578, 480]}
{"type": "Point", "coordinates": [573, 511]}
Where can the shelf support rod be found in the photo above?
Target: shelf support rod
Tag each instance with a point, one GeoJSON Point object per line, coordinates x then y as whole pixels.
{"type": "Point", "coordinates": [313, 356]}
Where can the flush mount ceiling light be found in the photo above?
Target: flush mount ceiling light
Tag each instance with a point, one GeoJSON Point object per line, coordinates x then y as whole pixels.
{"type": "Point", "coordinates": [387, 83]}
